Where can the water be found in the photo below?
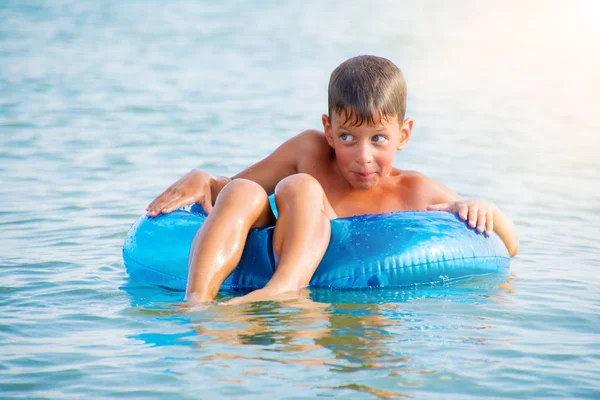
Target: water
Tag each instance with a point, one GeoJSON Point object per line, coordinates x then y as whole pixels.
{"type": "Point", "coordinates": [103, 104]}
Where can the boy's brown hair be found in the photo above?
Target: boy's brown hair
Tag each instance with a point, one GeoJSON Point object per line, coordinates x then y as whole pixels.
{"type": "Point", "coordinates": [365, 87]}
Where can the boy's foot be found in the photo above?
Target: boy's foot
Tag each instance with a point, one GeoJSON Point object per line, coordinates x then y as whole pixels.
{"type": "Point", "coordinates": [198, 298]}
{"type": "Point", "coordinates": [264, 294]}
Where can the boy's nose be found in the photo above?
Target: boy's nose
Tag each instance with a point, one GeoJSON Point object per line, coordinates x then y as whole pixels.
{"type": "Point", "coordinates": [364, 156]}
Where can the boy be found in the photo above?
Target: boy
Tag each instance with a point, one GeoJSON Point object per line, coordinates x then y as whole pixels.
{"type": "Point", "coordinates": [316, 177]}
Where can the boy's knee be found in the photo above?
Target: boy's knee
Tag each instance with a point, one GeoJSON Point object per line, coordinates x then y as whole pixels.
{"type": "Point", "coordinates": [244, 189]}
{"type": "Point", "coordinates": [298, 185]}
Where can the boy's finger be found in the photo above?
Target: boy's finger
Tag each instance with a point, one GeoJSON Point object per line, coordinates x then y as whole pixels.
{"type": "Point", "coordinates": [463, 211]}
{"type": "Point", "coordinates": [174, 205]}
{"type": "Point", "coordinates": [207, 200]}
{"type": "Point", "coordinates": [437, 207]}
{"type": "Point", "coordinates": [155, 201]}
{"type": "Point", "coordinates": [207, 206]}
{"type": "Point", "coordinates": [473, 212]}
{"type": "Point", "coordinates": [489, 226]}
{"type": "Point", "coordinates": [481, 220]}
{"type": "Point", "coordinates": [152, 211]}
{"type": "Point", "coordinates": [161, 203]}
{"type": "Point", "coordinates": [165, 198]}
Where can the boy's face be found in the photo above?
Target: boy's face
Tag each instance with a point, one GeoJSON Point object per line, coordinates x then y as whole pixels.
{"type": "Point", "coordinates": [364, 154]}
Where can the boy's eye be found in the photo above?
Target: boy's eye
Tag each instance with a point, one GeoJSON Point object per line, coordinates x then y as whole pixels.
{"type": "Point", "coordinates": [379, 139]}
{"type": "Point", "coordinates": [345, 137]}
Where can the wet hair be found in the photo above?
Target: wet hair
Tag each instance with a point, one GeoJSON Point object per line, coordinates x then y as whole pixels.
{"type": "Point", "coordinates": [367, 88]}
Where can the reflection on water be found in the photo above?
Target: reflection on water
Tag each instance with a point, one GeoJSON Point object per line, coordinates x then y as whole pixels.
{"type": "Point", "coordinates": [353, 332]}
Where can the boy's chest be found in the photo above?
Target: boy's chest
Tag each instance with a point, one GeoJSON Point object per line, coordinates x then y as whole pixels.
{"type": "Point", "coordinates": [389, 198]}
{"type": "Point", "coordinates": [346, 205]}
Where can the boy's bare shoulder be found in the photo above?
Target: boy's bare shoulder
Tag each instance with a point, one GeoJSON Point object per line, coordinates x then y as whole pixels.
{"type": "Point", "coordinates": [414, 179]}
{"type": "Point", "coordinates": [312, 138]}
{"type": "Point", "coordinates": [311, 142]}
{"type": "Point", "coordinates": [424, 188]}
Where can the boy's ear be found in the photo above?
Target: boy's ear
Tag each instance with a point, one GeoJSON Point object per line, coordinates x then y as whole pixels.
{"type": "Point", "coordinates": [405, 132]}
{"type": "Point", "coordinates": [327, 129]}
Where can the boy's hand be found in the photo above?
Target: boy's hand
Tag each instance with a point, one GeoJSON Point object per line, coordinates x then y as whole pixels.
{"type": "Point", "coordinates": [479, 213]}
{"type": "Point", "coordinates": [195, 187]}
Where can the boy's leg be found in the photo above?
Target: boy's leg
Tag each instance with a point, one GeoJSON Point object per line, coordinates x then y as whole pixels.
{"type": "Point", "coordinates": [301, 236]}
{"type": "Point", "coordinates": [218, 245]}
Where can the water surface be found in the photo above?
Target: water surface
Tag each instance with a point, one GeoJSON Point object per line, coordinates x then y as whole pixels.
{"type": "Point", "coordinates": [104, 104]}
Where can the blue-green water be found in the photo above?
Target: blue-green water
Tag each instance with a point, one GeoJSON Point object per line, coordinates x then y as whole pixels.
{"type": "Point", "coordinates": [104, 104]}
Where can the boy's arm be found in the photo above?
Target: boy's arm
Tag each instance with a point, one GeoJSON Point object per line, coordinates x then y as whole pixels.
{"type": "Point", "coordinates": [479, 213]}
{"type": "Point", "coordinates": [506, 230]}
{"type": "Point", "coordinates": [282, 163]}
{"type": "Point", "coordinates": [203, 188]}
{"type": "Point", "coordinates": [484, 214]}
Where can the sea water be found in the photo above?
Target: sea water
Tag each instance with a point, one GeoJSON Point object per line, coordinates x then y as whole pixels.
{"type": "Point", "coordinates": [104, 104]}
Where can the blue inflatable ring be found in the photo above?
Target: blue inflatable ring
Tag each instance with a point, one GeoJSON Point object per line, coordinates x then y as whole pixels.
{"type": "Point", "coordinates": [400, 249]}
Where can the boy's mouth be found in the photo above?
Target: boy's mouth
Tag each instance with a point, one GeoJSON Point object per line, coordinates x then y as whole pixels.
{"type": "Point", "coordinates": [363, 176]}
